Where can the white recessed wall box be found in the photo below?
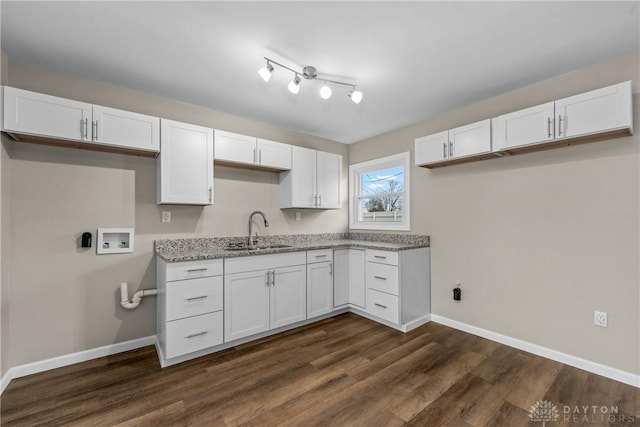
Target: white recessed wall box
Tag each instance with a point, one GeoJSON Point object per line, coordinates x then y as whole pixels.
{"type": "Point", "coordinates": [115, 240]}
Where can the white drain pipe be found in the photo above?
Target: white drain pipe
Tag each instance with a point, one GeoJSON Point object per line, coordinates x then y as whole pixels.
{"type": "Point", "coordinates": [137, 297]}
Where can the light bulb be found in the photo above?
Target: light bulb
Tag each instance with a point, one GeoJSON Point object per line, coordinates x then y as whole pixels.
{"type": "Point", "coordinates": [294, 86]}
{"type": "Point", "coordinates": [325, 92]}
{"type": "Point", "coordinates": [265, 72]}
{"type": "Point", "coordinates": [355, 95]}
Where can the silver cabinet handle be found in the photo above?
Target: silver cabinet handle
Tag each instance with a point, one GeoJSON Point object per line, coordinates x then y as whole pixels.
{"type": "Point", "coordinates": [194, 270]}
{"type": "Point", "coordinates": [197, 334]}
{"type": "Point", "coordinates": [254, 156]}
{"type": "Point", "coordinates": [190, 299]}
{"type": "Point", "coordinates": [321, 256]}
{"type": "Point", "coordinates": [380, 305]}
{"type": "Point", "coordinates": [95, 135]}
{"type": "Point", "coordinates": [210, 194]}
{"type": "Point", "coordinates": [548, 127]}
{"type": "Point", "coordinates": [380, 256]}
{"type": "Point", "coordinates": [84, 128]}
{"type": "Point", "coordinates": [315, 201]}
{"type": "Point", "coordinates": [330, 269]}
{"type": "Point", "coordinates": [450, 148]}
{"type": "Point", "coordinates": [273, 277]}
{"type": "Point", "coordinates": [559, 124]}
{"type": "Point", "coordinates": [267, 278]}
{"type": "Point", "coordinates": [260, 156]}
{"type": "Point", "coordinates": [320, 200]}
{"type": "Point", "coordinates": [444, 150]}
{"type": "Point", "coordinates": [379, 277]}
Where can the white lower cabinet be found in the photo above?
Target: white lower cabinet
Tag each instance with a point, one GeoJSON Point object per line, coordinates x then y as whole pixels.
{"type": "Point", "coordinates": [349, 278]}
{"type": "Point", "coordinates": [189, 307]}
{"type": "Point", "coordinates": [319, 282]}
{"type": "Point", "coordinates": [263, 292]}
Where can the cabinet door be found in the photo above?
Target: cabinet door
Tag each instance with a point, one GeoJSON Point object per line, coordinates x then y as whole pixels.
{"type": "Point", "coordinates": [125, 129]}
{"type": "Point", "coordinates": [272, 154]}
{"type": "Point", "coordinates": [235, 148]}
{"type": "Point", "coordinates": [328, 175]}
{"type": "Point", "coordinates": [246, 304]}
{"type": "Point", "coordinates": [530, 126]}
{"type": "Point", "coordinates": [595, 111]}
{"type": "Point", "coordinates": [357, 264]}
{"type": "Point", "coordinates": [288, 296]}
{"type": "Point", "coordinates": [471, 139]}
{"type": "Point", "coordinates": [432, 148]}
{"type": "Point", "coordinates": [185, 164]}
{"type": "Point", "coordinates": [298, 186]}
{"type": "Point", "coordinates": [319, 289]}
{"type": "Point", "coordinates": [47, 116]}
{"type": "Point", "coordinates": [341, 277]}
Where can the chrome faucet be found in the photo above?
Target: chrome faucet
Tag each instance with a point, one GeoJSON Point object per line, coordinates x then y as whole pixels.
{"type": "Point", "coordinates": [252, 243]}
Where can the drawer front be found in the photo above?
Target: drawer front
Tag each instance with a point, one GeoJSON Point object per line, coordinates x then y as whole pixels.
{"type": "Point", "coordinates": [382, 305]}
{"type": "Point", "coordinates": [193, 297]}
{"type": "Point", "coordinates": [382, 277]}
{"type": "Point", "coordinates": [382, 257]}
{"type": "Point", "coordinates": [193, 334]}
{"type": "Point", "coordinates": [193, 269]}
{"type": "Point", "coordinates": [320, 255]}
{"type": "Point", "coordinates": [264, 262]}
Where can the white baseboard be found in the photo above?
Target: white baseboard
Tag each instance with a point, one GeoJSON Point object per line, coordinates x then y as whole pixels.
{"type": "Point", "coordinates": [568, 359]}
{"type": "Point", "coordinates": [70, 359]}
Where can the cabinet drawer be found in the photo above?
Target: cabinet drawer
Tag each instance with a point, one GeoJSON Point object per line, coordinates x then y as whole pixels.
{"type": "Point", "coordinates": [382, 277]}
{"type": "Point", "coordinates": [383, 257]}
{"type": "Point", "coordinates": [320, 255]}
{"type": "Point", "coordinates": [193, 334]}
{"type": "Point", "coordinates": [382, 305]}
{"type": "Point", "coordinates": [193, 269]}
{"type": "Point", "coordinates": [264, 262]}
{"type": "Point", "coordinates": [188, 298]}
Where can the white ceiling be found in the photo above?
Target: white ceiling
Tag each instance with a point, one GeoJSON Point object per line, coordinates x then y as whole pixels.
{"type": "Point", "coordinates": [412, 60]}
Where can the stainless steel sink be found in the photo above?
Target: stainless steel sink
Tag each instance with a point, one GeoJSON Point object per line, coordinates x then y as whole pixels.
{"type": "Point", "coordinates": [256, 248]}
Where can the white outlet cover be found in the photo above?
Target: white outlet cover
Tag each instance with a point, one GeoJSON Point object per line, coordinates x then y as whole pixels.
{"type": "Point", "coordinates": [600, 319]}
{"type": "Point", "coordinates": [166, 216]}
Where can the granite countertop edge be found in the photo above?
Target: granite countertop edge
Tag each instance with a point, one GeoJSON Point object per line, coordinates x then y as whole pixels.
{"type": "Point", "coordinates": [182, 253]}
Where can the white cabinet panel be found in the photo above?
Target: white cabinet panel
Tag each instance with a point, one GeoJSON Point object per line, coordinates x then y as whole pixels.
{"type": "Point", "coordinates": [341, 277]}
{"type": "Point", "coordinates": [383, 305]}
{"type": "Point", "coordinates": [235, 148]}
{"type": "Point", "coordinates": [47, 116]}
{"type": "Point", "coordinates": [272, 154]}
{"type": "Point", "coordinates": [246, 304]}
{"type": "Point", "coordinates": [382, 277]}
{"type": "Point", "coordinates": [471, 139]}
{"type": "Point", "coordinates": [432, 148]}
{"type": "Point", "coordinates": [534, 125]}
{"type": "Point", "coordinates": [185, 164]}
{"type": "Point", "coordinates": [357, 264]}
{"type": "Point", "coordinates": [193, 269]}
{"type": "Point", "coordinates": [319, 288]}
{"type": "Point", "coordinates": [383, 257]}
{"type": "Point", "coordinates": [288, 296]}
{"type": "Point", "coordinates": [193, 333]}
{"type": "Point", "coordinates": [328, 174]}
{"type": "Point", "coordinates": [599, 110]}
{"type": "Point", "coordinates": [187, 298]}
{"type": "Point", "coordinates": [125, 129]}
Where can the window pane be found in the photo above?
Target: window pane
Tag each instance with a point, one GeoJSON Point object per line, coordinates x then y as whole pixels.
{"type": "Point", "coordinates": [382, 181]}
{"type": "Point", "coordinates": [381, 209]}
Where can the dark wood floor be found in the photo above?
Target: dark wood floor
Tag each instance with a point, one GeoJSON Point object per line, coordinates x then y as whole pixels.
{"type": "Point", "coordinates": [339, 372]}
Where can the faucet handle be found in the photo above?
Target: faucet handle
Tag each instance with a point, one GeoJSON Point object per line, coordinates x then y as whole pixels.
{"type": "Point", "coordinates": [254, 239]}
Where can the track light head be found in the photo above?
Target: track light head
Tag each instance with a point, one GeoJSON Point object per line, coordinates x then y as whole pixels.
{"type": "Point", "coordinates": [265, 72]}
{"type": "Point", "coordinates": [355, 95]}
{"type": "Point", "coordinates": [294, 86]}
{"type": "Point", "coordinates": [325, 91]}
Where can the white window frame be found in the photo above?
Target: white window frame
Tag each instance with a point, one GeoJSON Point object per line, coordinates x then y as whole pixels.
{"type": "Point", "coordinates": [355, 172]}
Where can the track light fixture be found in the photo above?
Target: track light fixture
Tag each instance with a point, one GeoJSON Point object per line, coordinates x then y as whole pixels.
{"type": "Point", "coordinates": [309, 73]}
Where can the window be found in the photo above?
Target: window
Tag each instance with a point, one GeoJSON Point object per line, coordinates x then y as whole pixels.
{"type": "Point", "coordinates": [379, 194]}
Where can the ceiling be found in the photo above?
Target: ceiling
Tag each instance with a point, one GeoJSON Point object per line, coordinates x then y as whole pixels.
{"type": "Point", "coordinates": [412, 60]}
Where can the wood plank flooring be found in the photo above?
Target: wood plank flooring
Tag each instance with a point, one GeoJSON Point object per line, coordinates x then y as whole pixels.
{"type": "Point", "coordinates": [344, 371]}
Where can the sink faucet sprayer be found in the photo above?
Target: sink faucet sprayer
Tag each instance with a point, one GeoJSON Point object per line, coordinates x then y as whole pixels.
{"type": "Point", "coordinates": [251, 242]}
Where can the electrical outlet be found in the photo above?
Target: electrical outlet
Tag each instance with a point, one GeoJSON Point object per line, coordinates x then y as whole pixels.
{"type": "Point", "coordinates": [166, 216]}
{"type": "Point", "coordinates": [600, 318]}
{"type": "Point", "coordinates": [297, 216]}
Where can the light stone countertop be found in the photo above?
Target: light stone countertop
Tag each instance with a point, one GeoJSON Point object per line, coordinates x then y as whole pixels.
{"type": "Point", "coordinates": [176, 250]}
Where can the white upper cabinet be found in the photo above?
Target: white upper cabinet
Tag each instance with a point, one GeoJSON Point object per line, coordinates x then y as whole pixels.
{"type": "Point", "coordinates": [313, 181]}
{"type": "Point", "coordinates": [533, 125]}
{"type": "Point", "coordinates": [47, 116]}
{"type": "Point", "coordinates": [596, 111]}
{"type": "Point", "coordinates": [244, 150]}
{"type": "Point", "coordinates": [51, 117]}
{"type": "Point", "coordinates": [121, 128]}
{"type": "Point", "coordinates": [185, 164]}
{"type": "Point", "coordinates": [464, 141]}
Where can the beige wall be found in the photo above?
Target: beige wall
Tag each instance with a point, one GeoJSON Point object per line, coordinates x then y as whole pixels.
{"type": "Point", "coordinates": [539, 241]}
{"type": "Point", "coordinates": [64, 299]}
{"type": "Point", "coordinates": [4, 227]}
